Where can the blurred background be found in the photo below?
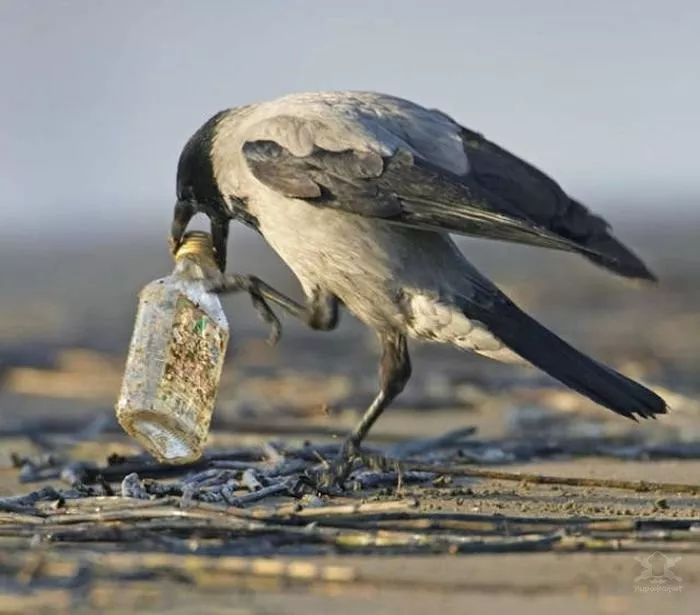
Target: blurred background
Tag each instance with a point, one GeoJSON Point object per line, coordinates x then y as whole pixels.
{"type": "Point", "coordinates": [99, 97]}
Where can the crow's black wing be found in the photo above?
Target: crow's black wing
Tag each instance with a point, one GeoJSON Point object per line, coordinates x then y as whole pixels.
{"type": "Point", "coordinates": [539, 198]}
{"type": "Point", "coordinates": [402, 188]}
{"type": "Point", "coordinates": [499, 196]}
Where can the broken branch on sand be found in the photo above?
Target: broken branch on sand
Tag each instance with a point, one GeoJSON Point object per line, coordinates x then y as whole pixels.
{"type": "Point", "coordinates": [526, 477]}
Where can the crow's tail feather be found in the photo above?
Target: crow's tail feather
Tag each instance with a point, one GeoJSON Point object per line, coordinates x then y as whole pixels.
{"type": "Point", "coordinates": [532, 341]}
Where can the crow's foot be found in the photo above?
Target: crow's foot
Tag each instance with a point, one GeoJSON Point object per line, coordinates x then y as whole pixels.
{"type": "Point", "coordinates": [332, 477]}
{"type": "Point", "coordinates": [256, 289]}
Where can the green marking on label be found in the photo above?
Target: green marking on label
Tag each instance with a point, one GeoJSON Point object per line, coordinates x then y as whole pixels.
{"type": "Point", "coordinates": [200, 325]}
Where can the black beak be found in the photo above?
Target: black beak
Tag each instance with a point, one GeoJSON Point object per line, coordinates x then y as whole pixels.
{"type": "Point", "coordinates": [184, 210]}
{"type": "Point", "coordinates": [219, 233]}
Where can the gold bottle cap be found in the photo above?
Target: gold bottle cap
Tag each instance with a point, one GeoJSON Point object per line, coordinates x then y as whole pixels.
{"type": "Point", "coordinates": [197, 244]}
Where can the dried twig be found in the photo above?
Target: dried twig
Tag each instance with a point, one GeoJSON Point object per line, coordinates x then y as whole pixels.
{"type": "Point", "coordinates": [283, 486]}
{"type": "Point", "coordinates": [250, 480]}
{"type": "Point", "coordinates": [371, 480]}
{"type": "Point", "coordinates": [609, 483]}
{"type": "Point", "coordinates": [132, 487]}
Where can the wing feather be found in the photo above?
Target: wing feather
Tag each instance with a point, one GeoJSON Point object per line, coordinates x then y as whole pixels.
{"type": "Point", "coordinates": [542, 200]}
{"type": "Point", "coordinates": [401, 188]}
{"type": "Point", "coordinates": [393, 164]}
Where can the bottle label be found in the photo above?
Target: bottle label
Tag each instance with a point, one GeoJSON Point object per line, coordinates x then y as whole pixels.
{"type": "Point", "coordinates": [193, 363]}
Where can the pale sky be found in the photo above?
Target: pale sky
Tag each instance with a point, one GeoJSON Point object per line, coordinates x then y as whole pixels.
{"type": "Point", "coordinates": [98, 97]}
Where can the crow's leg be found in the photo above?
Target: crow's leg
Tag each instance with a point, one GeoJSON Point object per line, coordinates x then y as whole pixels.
{"type": "Point", "coordinates": [320, 311]}
{"type": "Point", "coordinates": [394, 372]}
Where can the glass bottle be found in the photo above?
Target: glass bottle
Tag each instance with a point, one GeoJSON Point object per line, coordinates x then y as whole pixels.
{"type": "Point", "coordinates": [175, 357]}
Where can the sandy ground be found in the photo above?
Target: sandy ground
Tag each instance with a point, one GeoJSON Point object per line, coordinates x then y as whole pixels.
{"type": "Point", "coordinates": [585, 582]}
{"type": "Point", "coordinates": [61, 367]}
{"type": "Point", "coordinates": [576, 584]}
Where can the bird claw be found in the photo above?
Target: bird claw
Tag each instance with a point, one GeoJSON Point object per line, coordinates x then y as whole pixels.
{"type": "Point", "coordinates": [250, 285]}
{"type": "Point", "coordinates": [333, 476]}
{"type": "Point", "coordinates": [267, 315]}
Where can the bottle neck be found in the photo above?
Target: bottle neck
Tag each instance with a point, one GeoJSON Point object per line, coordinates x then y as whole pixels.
{"type": "Point", "coordinates": [194, 258]}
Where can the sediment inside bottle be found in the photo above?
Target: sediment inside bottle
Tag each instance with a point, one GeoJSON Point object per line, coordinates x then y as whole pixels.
{"type": "Point", "coordinates": [174, 365]}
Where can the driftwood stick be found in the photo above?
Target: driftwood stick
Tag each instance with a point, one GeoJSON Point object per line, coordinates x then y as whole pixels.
{"type": "Point", "coordinates": [272, 454]}
{"type": "Point", "coordinates": [132, 487]}
{"type": "Point", "coordinates": [254, 496]}
{"type": "Point", "coordinates": [250, 480]}
{"type": "Point", "coordinates": [213, 476]}
{"type": "Point", "coordinates": [146, 467]}
{"type": "Point", "coordinates": [20, 503]}
{"type": "Point", "coordinates": [626, 543]}
{"type": "Point", "coordinates": [371, 480]}
{"type": "Point", "coordinates": [342, 510]}
{"type": "Point", "coordinates": [609, 483]}
{"type": "Point", "coordinates": [441, 542]}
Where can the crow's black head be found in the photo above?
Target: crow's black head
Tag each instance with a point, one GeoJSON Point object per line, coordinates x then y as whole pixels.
{"type": "Point", "coordinates": [197, 190]}
{"type": "Point", "coordinates": [195, 171]}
